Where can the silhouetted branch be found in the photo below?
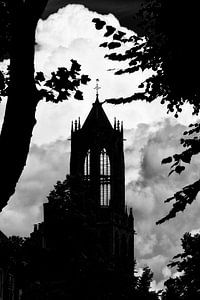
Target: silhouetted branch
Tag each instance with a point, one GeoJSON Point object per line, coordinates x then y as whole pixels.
{"type": "Point", "coordinates": [183, 197]}
{"type": "Point", "coordinates": [163, 50]}
{"type": "Point", "coordinates": [186, 284]}
{"type": "Point", "coordinates": [61, 84]}
{"type": "Point", "coordinates": [174, 62]}
{"type": "Point", "coordinates": [188, 194]}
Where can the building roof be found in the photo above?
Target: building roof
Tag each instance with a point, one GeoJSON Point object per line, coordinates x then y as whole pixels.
{"type": "Point", "coordinates": [97, 117]}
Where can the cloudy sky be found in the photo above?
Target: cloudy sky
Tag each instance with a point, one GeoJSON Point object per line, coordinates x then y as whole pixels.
{"type": "Point", "coordinates": [150, 135]}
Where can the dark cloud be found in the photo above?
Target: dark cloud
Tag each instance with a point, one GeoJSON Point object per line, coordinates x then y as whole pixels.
{"type": "Point", "coordinates": [124, 10]}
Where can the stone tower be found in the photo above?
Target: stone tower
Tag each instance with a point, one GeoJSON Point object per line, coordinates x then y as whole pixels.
{"type": "Point", "coordinates": [97, 156]}
{"type": "Point", "coordinates": [88, 242]}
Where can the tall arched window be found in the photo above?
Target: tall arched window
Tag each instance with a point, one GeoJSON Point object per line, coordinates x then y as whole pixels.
{"type": "Point", "coordinates": [105, 188]}
{"type": "Point", "coordinates": [87, 167]}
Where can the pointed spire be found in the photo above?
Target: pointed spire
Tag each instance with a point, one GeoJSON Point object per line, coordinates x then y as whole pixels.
{"type": "Point", "coordinates": [130, 218]}
{"type": "Point", "coordinates": [97, 88]}
{"type": "Point", "coordinates": [131, 212]}
{"type": "Point", "coordinates": [79, 123]}
{"type": "Point", "coordinates": [122, 129]}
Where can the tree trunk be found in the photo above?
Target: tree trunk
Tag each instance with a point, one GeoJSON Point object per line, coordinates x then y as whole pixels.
{"type": "Point", "coordinates": [21, 105]}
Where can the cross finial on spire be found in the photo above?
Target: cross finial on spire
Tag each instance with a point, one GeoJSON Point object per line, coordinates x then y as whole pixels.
{"type": "Point", "coordinates": [97, 88]}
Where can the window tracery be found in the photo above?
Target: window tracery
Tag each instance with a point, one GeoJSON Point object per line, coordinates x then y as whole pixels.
{"type": "Point", "coordinates": [105, 186]}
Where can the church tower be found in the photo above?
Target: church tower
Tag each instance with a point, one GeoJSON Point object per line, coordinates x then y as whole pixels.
{"type": "Point", "coordinates": [87, 234]}
{"type": "Point", "coordinates": [97, 156]}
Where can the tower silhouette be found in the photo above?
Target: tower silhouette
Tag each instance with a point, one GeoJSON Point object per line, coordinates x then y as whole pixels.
{"type": "Point", "coordinates": [97, 156]}
{"type": "Point", "coordinates": [89, 238]}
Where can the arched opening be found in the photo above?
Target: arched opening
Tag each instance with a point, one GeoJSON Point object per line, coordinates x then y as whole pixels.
{"type": "Point", "coordinates": [87, 166]}
{"type": "Point", "coordinates": [105, 186]}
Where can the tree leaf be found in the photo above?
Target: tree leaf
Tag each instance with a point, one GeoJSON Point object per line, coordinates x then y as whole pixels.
{"type": "Point", "coordinates": [78, 95]}
{"type": "Point", "coordinates": [166, 160]}
{"type": "Point", "coordinates": [40, 77]}
{"type": "Point", "coordinates": [179, 169]}
{"type": "Point", "coordinates": [118, 35]}
{"type": "Point", "coordinates": [114, 45]}
{"type": "Point", "coordinates": [85, 79]}
{"type": "Point", "coordinates": [99, 24]}
{"type": "Point", "coordinates": [110, 31]}
{"type": "Point", "coordinates": [105, 44]}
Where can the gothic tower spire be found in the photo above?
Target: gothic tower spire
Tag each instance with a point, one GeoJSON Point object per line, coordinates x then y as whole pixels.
{"type": "Point", "coordinates": [97, 156]}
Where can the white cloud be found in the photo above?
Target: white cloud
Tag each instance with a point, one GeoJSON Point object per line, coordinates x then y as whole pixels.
{"type": "Point", "coordinates": [166, 272]}
{"type": "Point", "coordinates": [147, 189]}
{"type": "Point", "coordinates": [195, 231]}
{"type": "Point", "coordinates": [45, 166]}
{"type": "Point", "coordinates": [157, 286]}
{"type": "Point", "coordinates": [145, 243]}
{"type": "Point", "coordinates": [156, 263]}
{"type": "Point", "coordinates": [177, 274]}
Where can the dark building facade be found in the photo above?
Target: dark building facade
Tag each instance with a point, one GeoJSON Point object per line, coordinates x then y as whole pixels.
{"type": "Point", "coordinates": [97, 155]}
{"type": "Point", "coordinates": [87, 236]}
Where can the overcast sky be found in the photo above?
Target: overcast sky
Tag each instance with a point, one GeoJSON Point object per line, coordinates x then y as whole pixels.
{"type": "Point", "coordinates": [150, 135]}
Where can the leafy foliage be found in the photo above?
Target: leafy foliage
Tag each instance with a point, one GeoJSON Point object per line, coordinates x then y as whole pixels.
{"type": "Point", "coordinates": [142, 289]}
{"type": "Point", "coordinates": [188, 194]}
{"type": "Point", "coordinates": [187, 285]}
{"type": "Point", "coordinates": [60, 195]}
{"type": "Point", "coordinates": [164, 50]}
{"type": "Point", "coordinates": [170, 50]}
{"type": "Point", "coordinates": [66, 195]}
{"type": "Point", "coordinates": [60, 86]}
{"type": "Point", "coordinates": [192, 144]}
{"type": "Point", "coordinates": [16, 241]}
{"type": "Point", "coordinates": [183, 197]}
